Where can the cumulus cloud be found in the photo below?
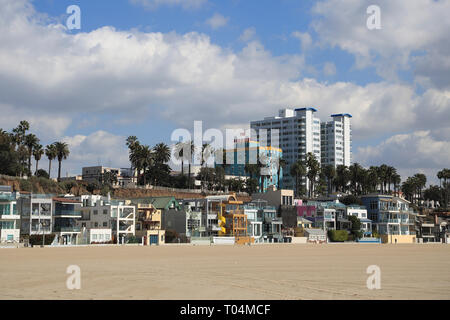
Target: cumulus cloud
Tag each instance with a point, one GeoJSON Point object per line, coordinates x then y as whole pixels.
{"type": "Point", "coordinates": [329, 69]}
{"type": "Point", "coordinates": [98, 148]}
{"type": "Point", "coordinates": [217, 21]}
{"type": "Point", "coordinates": [248, 34]}
{"type": "Point", "coordinates": [153, 4]}
{"type": "Point", "coordinates": [415, 152]}
{"type": "Point", "coordinates": [409, 29]}
{"type": "Point", "coordinates": [182, 77]}
{"type": "Point", "coordinates": [305, 39]}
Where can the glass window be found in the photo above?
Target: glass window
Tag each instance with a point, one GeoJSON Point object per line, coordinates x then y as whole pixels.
{"type": "Point", "coordinates": [95, 212]}
{"type": "Point", "coordinates": [105, 224]}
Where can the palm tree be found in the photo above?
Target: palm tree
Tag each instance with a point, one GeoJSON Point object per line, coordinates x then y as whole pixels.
{"type": "Point", "coordinates": [179, 154]}
{"type": "Point", "coordinates": [37, 153]}
{"type": "Point", "coordinates": [145, 160]}
{"type": "Point", "coordinates": [50, 152]}
{"type": "Point", "coordinates": [382, 175]}
{"type": "Point", "coordinates": [390, 173]}
{"type": "Point", "coordinates": [62, 152]}
{"type": "Point", "coordinates": [18, 133]}
{"type": "Point", "coordinates": [396, 180]}
{"type": "Point", "coordinates": [298, 171]}
{"type": "Point", "coordinates": [373, 178]}
{"type": "Point", "coordinates": [162, 153]}
{"type": "Point", "coordinates": [132, 142]}
{"type": "Point", "coordinates": [280, 166]}
{"type": "Point", "coordinates": [190, 155]}
{"type": "Point", "coordinates": [207, 151]}
{"type": "Point", "coordinates": [31, 141]}
{"type": "Point", "coordinates": [330, 173]}
{"type": "Point", "coordinates": [355, 174]}
{"type": "Point", "coordinates": [342, 177]}
{"type": "Point", "coordinates": [313, 167]}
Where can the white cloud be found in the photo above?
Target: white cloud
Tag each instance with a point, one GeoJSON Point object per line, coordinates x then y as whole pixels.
{"type": "Point", "coordinates": [131, 74]}
{"type": "Point", "coordinates": [305, 39]}
{"type": "Point", "coordinates": [217, 21]}
{"type": "Point", "coordinates": [98, 148]}
{"type": "Point", "coordinates": [153, 4]}
{"type": "Point", "coordinates": [412, 153]}
{"type": "Point", "coordinates": [414, 27]}
{"type": "Point", "coordinates": [329, 69]}
{"type": "Point", "coordinates": [248, 34]}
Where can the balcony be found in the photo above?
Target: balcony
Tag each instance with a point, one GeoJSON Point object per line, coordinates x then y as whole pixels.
{"type": "Point", "coordinates": [67, 229]}
{"type": "Point", "coordinates": [70, 213]}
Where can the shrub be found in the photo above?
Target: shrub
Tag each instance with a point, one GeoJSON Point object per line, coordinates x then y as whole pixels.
{"type": "Point", "coordinates": [41, 173]}
{"type": "Point", "coordinates": [36, 240]}
{"type": "Point", "coordinates": [338, 235]}
{"type": "Point", "coordinates": [25, 185]}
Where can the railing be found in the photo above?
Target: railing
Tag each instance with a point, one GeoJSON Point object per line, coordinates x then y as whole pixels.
{"type": "Point", "coordinates": [67, 213]}
{"type": "Point", "coordinates": [390, 220]}
{"type": "Point", "coordinates": [67, 229]}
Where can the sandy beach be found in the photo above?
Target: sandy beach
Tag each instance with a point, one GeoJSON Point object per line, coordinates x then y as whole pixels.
{"type": "Point", "coordinates": [284, 271]}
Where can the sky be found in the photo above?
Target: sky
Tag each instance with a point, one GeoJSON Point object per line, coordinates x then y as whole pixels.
{"type": "Point", "coordinates": [148, 67]}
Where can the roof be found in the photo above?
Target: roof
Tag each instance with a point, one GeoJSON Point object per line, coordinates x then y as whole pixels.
{"type": "Point", "coordinates": [306, 109]}
{"type": "Point", "coordinates": [163, 202]}
{"type": "Point", "coordinates": [303, 220]}
{"type": "Point", "coordinates": [66, 200]}
{"type": "Point", "coordinates": [342, 115]}
{"type": "Point", "coordinates": [365, 220]}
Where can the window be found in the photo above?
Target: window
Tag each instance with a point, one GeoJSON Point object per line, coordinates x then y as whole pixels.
{"type": "Point", "coordinates": [95, 212]}
{"type": "Point", "coordinates": [96, 224]}
{"type": "Point", "coordinates": [105, 224]}
{"type": "Point", "coordinates": [94, 237]}
{"type": "Point", "coordinates": [105, 211]}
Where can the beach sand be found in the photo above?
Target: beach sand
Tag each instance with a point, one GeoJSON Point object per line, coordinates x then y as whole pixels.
{"type": "Point", "coordinates": [277, 271]}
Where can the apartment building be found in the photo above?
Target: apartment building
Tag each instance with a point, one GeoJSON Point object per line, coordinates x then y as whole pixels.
{"type": "Point", "coordinates": [336, 140]}
{"type": "Point", "coordinates": [295, 131]}
{"type": "Point", "coordinates": [124, 176]}
{"type": "Point", "coordinates": [9, 216]}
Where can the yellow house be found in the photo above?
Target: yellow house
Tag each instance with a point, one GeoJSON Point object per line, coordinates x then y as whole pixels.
{"type": "Point", "coordinates": [148, 224]}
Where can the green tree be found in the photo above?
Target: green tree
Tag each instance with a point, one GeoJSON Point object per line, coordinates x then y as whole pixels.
{"type": "Point", "coordinates": [38, 152]}
{"type": "Point", "coordinates": [313, 169]}
{"type": "Point", "coordinates": [62, 152]}
{"type": "Point", "coordinates": [298, 171]}
{"type": "Point", "coordinates": [51, 154]}
{"type": "Point", "coordinates": [31, 141]}
{"type": "Point", "coordinates": [330, 173]}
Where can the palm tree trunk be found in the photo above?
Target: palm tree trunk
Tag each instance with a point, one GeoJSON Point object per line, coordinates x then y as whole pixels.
{"type": "Point", "coordinates": [37, 163]}
{"type": "Point", "coordinates": [189, 176]}
{"type": "Point", "coordinates": [59, 170]}
{"type": "Point", "coordinates": [49, 168]}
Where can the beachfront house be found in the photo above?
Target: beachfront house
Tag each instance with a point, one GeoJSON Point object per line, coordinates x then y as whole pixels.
{"type": "Point", "coordinates": [66, 212]}
{"type": "Point", "coordinates": [361, 213]}
{"type": "Point", "coordinates": [9, 216]}
{"type": "Point", "coordinates": [392, 217]}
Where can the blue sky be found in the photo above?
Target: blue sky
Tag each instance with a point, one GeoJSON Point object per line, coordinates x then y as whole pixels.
{"type": "Point", "coordinates": [147, 67]}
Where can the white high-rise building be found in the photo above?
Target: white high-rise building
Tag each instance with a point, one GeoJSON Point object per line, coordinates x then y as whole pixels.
{"type": "Point", "coordinates": [299, 134]}
{"type": "Point", "coordinates": [336, 137]}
